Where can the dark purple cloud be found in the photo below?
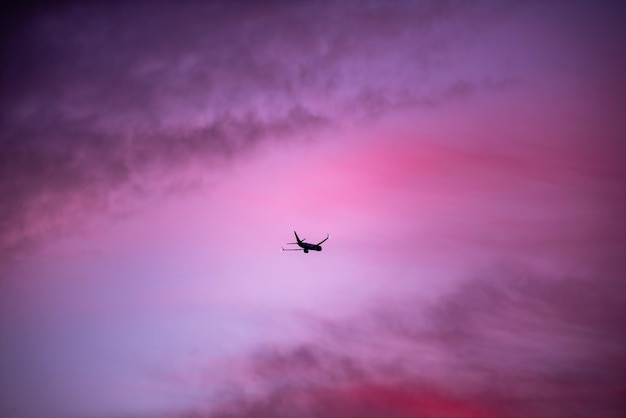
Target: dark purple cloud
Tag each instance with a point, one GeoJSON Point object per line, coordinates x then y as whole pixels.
{"type": "Point", "coordinates": [512, 344]}
{"type": "Point", "coordinates": [96, 94]}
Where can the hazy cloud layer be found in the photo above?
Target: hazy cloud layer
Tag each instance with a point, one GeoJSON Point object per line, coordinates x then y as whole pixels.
{"type": "Point", "coordinates": [100, 96]}
{"type": "Point", "coordinates": [513, 345]}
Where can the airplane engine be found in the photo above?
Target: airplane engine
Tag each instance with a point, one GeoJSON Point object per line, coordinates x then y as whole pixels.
{"type": "Point", "coordinates": [306, 250]}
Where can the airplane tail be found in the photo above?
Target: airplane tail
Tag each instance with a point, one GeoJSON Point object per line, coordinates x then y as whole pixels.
{"type": "Point", "coordinates": [297, 237]}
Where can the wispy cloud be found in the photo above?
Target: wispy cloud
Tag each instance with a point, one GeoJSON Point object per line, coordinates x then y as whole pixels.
{"type": "Point", "coordinates": [54, 168]}
{"type": "Point", "coordinates": [95, 94]}
{"type": "Point", "coordinates": [515, 344]}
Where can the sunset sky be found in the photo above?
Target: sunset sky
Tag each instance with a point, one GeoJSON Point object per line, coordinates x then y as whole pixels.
{"type": "Point", "coordinates": [466, 158]}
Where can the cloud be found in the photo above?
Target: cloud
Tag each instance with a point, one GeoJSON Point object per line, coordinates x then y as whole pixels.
{"type": "Point", "coordinates": [55, 168]}
{"type": "Point", "coordinates": [95, 94]}
{"type": "Point", "coordinates": [367, 400]}
{"type": "Point", "coordinates": [511, 344]}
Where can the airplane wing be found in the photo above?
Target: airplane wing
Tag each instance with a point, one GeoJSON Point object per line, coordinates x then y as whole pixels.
{"type": "Point", "coordinates": [291, 249]}
{"type": "Point", "coordinates": [327, 236]}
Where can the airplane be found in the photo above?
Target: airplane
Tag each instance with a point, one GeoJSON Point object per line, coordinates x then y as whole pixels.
{"type": "Point", "coordinates": [305, 246]}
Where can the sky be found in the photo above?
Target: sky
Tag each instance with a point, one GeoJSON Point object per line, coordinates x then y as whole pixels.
{"type": "Point", "coordinates": [466, 158]}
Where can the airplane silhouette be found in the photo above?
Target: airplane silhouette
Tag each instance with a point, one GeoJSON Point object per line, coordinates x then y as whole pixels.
{"type": "Point", "coordinates": [305, 246]}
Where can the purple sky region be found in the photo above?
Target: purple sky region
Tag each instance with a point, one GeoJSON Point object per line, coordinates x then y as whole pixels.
{"type": "Point", "coordinates": [465, 157]}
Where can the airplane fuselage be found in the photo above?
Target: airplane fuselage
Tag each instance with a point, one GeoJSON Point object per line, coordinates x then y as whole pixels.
{"type": "Point", "coordinates": [306, 246]}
